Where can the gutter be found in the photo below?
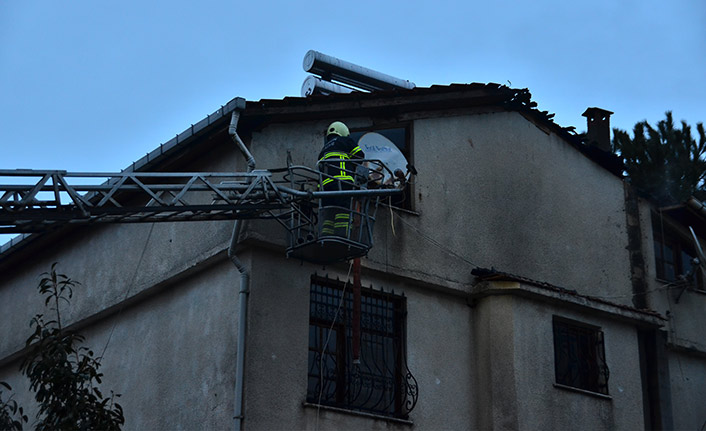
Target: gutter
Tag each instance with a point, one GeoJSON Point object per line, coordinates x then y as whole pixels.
{"type": "Point", "coordinates": [244, 283]}
{"type": "Point", "coordinates": [492, 282]}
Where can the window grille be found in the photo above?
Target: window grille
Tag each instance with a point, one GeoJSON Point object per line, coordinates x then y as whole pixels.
{"type": "Point", "coordinates": [381, 383]}
{"type": "Point", "coordinates": [579, 356]}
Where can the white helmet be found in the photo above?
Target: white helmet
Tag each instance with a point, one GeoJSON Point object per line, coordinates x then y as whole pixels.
{"type": "Point", "coordinates": [337, 128]}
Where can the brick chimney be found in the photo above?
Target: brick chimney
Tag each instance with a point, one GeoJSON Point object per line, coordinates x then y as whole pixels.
{"type": "Point", "coordinates": [598, 134]}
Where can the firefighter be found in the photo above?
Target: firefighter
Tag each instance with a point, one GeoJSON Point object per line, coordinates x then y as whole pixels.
{"type": "Point", "coordinates": [340, 175]}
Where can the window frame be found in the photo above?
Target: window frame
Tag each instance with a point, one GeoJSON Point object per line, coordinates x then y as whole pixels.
{"type": "Point", "coordinates": [382, 383]}
{"type": "Point", "coordinates": [588, 370]}
{"type": "Point", "coordinates": [407, 203]}
{"type": "Point", "coordinates": [665, 235]}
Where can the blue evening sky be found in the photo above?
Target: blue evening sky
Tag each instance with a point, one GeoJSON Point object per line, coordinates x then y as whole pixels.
{"type": "Point", "coordinates": [93, 85]}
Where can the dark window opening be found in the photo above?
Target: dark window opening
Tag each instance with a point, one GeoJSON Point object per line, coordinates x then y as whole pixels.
{"type": "Point", "coordinates": [579, 356]}
{"type": "Point", "coordinates": [400, 137]}
{"type": "Point", "coordinates": [381, 383]}
{"type": "Point", "coordinates": [674, 256]}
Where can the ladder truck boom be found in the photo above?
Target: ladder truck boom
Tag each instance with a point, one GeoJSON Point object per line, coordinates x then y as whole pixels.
{"type": "Point", "coordinates": [39, 199]}
{"type": "Point", "coordinates": [35, 201]}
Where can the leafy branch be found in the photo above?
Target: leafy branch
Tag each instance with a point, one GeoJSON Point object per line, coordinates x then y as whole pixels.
{"type": "Point", "coordinates": [8, 410]}
{"type": "Point", "coordinates": [63, 374]}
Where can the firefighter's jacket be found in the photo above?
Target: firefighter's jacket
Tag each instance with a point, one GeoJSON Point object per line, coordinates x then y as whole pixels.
{"type": "Point", "coordinates": [339, 149]}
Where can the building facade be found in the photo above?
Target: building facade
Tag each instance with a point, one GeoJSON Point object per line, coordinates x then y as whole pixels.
{"type": "Point", "coordinates": [516, 286]}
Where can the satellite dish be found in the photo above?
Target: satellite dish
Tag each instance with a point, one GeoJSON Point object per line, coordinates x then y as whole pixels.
{"type": "Point", "coordinates": [377, 147]}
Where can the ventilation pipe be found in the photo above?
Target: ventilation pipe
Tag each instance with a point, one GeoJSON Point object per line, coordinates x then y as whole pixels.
{"type": "Point", "coordinates": [244, 283]}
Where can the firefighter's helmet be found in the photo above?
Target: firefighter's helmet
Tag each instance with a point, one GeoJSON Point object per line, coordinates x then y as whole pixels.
{"type": "Point", "coordinates": [337, 128]}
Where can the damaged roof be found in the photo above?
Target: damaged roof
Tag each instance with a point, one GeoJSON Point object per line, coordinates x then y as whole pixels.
{"type": "Point", "coordinates": [257, 114]}
{"type": "Point", "coordinates": [691, 213]}
{"type": "Point", "coordinates": [395, 102]}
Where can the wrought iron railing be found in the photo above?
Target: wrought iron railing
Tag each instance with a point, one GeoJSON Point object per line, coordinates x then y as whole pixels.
{"type": "Point", "coordinates": [381, 383]}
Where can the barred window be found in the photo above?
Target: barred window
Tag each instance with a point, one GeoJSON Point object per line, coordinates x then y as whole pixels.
{"type": "Point", "coordinates": [381, 383]}
{"type": "Point", "coordinates": [579, 356]}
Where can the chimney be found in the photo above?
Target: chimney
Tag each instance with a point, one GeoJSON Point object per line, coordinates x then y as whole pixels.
{"type": "Point", "coordinates": [598, 134]}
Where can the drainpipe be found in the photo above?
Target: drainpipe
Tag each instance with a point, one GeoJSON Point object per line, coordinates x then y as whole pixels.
{"type": "Point", "coordinates": [242, 319]}
{"type": "Point", "coordinates": [244, 284]}
{"type": "Point", "coordinates": [232, 131]}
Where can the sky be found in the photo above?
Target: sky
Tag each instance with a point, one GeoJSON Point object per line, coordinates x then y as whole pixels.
{"type": "Point", "coordinates": [94, 85]}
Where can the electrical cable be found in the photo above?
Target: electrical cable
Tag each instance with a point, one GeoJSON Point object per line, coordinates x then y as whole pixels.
{"type": "Point", "coordinates": [127, 292]}
{"type": "Point", "coordinates": [434, 242]}
{"type": "Point", "coordinates": [323, 347]}
{"type": "Point", "coordinates": [452, 253]}
{"type": "Point", "coordinates": [392, 217]}
{"type": "Point", "coordinates": [667, 286]}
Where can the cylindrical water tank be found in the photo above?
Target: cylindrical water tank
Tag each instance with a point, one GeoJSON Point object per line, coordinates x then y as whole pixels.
{"type": "Point", "coordinates": [314, 85]}
{"type": "Point", "coordinates": [332, 68]}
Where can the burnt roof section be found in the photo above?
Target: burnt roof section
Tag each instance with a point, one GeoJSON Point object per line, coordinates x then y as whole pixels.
{"type": "Point", "coordinates": [391, 103]}
{"type": "Point", "coordinates": [257, 114]}
{"type": "Point", "coordinates": [485, 274]}
{"type": "Point", "coordinates": [692, 213]}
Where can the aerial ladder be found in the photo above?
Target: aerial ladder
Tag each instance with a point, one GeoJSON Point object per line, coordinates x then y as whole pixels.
{"type": "Point", "coordinates": [36, 201]}
{"type": "Point", "coordinates": [43, 200]}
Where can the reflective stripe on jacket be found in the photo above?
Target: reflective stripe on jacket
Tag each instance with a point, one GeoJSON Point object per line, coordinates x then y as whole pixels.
{"type": "Point", "coordinates": [336, 170]}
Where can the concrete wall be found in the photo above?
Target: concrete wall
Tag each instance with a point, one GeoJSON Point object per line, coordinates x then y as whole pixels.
{"type": "Point", "coordinates": [688, 384]}
{"type": "Point", "coordinates": [169, 355]}
{"type": "Point", "coordinates": [685, 328]}
{"type": "Point", "coordinates": [686, 324]}
{"type": "Point", "coordinates": [493, 190]}
{"type": "Point", "coordinates": [624, 408]}
{"type": "Point", "coordinates": [525, 203]}
{"type": "Point", "coordinates": [113, 263]}
{"type": "Point", "coordinates": [516, 374]}
{"type": "Point", "coordinates": [160, 295]}
{"type": "Point", "coordinates": [484, 197]}
{"type": "Point", "coordinates": [277, 351]}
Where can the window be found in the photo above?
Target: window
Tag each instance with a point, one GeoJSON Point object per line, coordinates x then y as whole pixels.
{"type": "Point", "coordinates": [381, 383]}
{"type": "Point", "coordinates": [672, 259]}
{"type": "Point", "coordinates": [674, 256]}
{"type": "Point", "coordinates": [579, 356]}
{"type": "Point", "coordinates": [400, 137]}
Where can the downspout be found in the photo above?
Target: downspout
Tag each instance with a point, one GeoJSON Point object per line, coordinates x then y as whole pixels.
{"type": "Point", "coordinates": [244, 284]}
{"type": "Point", "coordinates": [232, 131]}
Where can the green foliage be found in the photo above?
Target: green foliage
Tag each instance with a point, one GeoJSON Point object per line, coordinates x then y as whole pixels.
{"type": "Point", "coordinates": [62, 373]}
{"type": "Point", "coordinates": [8, 410]}
{"type": "Point", "coordinates": [666, 163]}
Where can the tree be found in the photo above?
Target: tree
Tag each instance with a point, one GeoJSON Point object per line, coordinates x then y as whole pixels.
{"type": "Point", "coordinates": [9, 409]}
{"type": "Point", "coordinates": [63, 374]}
{"type": "Point", "coordinates": [666, 163]}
